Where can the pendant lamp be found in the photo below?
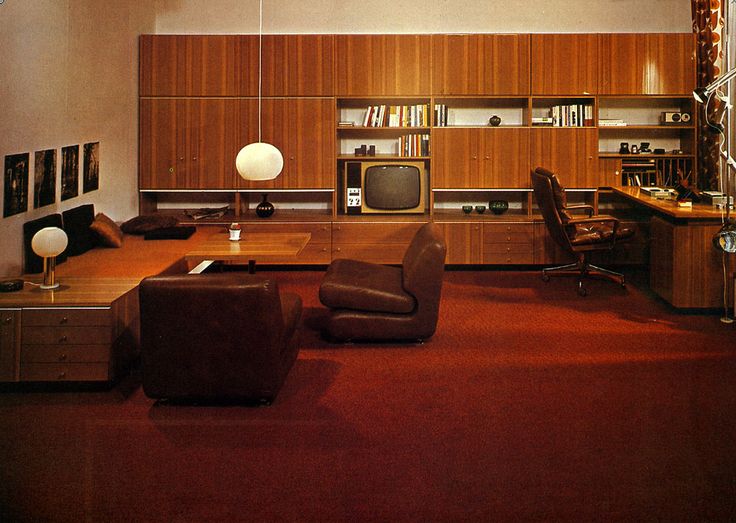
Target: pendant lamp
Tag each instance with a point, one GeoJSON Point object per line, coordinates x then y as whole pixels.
{"type": "Point", "coordinates": [259, 161]}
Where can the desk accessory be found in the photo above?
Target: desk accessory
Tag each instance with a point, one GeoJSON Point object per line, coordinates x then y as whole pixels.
{"type": "Point", "coordinates": [11, 285]}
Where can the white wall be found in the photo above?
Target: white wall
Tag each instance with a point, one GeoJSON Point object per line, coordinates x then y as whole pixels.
{"type": "Point", "coordinates": [423, 16]}
{"type": "Point", "coordinates": [69, 76]}
{"type": "Point", "coordinates": [69, 67]}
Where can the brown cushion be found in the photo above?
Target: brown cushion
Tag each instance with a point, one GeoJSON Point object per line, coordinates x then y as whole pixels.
{"type": "Point", "coordinates": [107, 231]}
{"type": "Point", "coordinates": [586, 234]}
{"type": "Point", "coordinates": [363, 286]}
{"type": "Point", "coordinates": [148, 223]}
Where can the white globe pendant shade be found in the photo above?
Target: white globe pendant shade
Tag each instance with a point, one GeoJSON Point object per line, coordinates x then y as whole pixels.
{"type": "Point", "coordinates": [49, 241]}
{"type": "Point", "coordinates": [259, 161]}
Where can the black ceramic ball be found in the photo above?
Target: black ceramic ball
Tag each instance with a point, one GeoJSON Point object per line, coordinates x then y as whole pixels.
{"type": "Point", "coordinates": [265, 208]}
{"type": "Point", "coordinates": [498, 206]}
{"type": "Point", "coordinates": [495, 120]}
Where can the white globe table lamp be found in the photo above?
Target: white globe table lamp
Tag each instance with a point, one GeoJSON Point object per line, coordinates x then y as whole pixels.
{"type": "Point", "coordinates": [48, 243]}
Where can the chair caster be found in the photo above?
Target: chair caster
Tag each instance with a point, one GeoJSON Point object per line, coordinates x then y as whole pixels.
{"type": "Point", "coordinates": [582, 291]}
{"type": "Point", "coordinates": [545, 276]}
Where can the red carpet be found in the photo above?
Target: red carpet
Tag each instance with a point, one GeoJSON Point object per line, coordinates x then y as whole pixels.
{"type": "Point", "coordinates": [530, 403]}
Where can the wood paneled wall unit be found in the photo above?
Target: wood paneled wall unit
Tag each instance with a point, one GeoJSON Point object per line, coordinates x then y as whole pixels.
{"type": "Point", "coordinates": [480, 64]}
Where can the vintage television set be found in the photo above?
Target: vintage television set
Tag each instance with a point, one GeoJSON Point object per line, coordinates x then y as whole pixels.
{"type": "Point", "coordinates": [384, 187]}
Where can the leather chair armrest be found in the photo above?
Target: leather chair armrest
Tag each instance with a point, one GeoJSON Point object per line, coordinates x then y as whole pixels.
{"type": "Point", "coordinates": [581, 207]}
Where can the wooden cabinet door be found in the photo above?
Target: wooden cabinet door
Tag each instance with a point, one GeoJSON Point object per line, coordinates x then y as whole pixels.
{"type": "Point", "coordinates": [188, 65]}
{"type": "Point", "coordinates": [564, 64]}
{"type": "Point", "coordinates": [160, 165]}
{"type": "Point", "coordinates": [463, 241]}
{"type": "Point", "coordinates": [456, 157]}
{"type": "Point", "coordinates": [662, 63]}
{"type": "Point", "coordinates": [298, 65]}
{"type": "Point", "coordinates": [212, 142]}
{"type": "Point", "coordinates": [275, 129]}
{"type": "Point", "coordinates": [309, 160]}
{"type": "Point", "coordinates": [572, 153]}
{"type": "Point", "coordinates": [381, 65]}
{"type": "Point", "coordinates": [505, 157]}
{"type": "Point", "coordinates": [480, 64]}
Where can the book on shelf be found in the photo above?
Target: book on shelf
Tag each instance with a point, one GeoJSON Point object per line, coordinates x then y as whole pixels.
{"type": "Point", "coordinates": [396, 116]}
{"type": "Point", "coordinates": [440, 115]}
{"type": "Point", "coordinates": [571, 115]}
{"type": "Point", "coordinates": [542, 120]}
{"type": "Point", "coordinates": [611, 122]}
{"type": "Point", "coordinates": [345, 123]}
{"type": "Point", "coordinates": [414, 145]}
{"type": "Point", "coordinates": [207, 212]}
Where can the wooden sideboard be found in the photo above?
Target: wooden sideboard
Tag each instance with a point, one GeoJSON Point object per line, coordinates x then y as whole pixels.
{"type": "Point", "coordinates": [85, 330]}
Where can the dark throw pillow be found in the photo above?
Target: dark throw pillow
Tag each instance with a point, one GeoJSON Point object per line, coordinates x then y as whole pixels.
{"type": "Point", "coordinates": [149, 222]}
{"type": "Point", "coordinates": [107, 231]}
{"type": "Point", "coordinates": [33, 262]}
{"type": "Point", "coordinates": [76, 225]}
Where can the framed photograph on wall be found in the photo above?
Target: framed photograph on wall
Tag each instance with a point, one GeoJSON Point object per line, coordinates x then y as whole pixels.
{"type": "Point", "coordinates": [16, 184]}
{"type": "Point", "coordinates": [44, 178]}
{"type": "Point", "coordinates": [91, 167]}
{"type": "Point", "coordinates": [69, 172]}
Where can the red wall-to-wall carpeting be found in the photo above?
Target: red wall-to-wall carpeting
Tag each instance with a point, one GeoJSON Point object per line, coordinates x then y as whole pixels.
{"type": "Point", "coordinates": [530, 403]}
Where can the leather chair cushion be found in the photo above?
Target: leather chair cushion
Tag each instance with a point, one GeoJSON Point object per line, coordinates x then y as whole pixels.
{"type": "Point", "coordinates": [560, 197]}
{"type": "Point", "coordinates": [357, 285]}
{"type": "Point", "coordinates": [587, 234]}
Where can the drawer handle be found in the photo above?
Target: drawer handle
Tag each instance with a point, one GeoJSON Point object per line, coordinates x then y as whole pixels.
{"type": "Point", "coordinates": [62, 375]}
{"type": "Point", "coordinates": [62, 357]}
{"type": "Point", "coordinates": [62, 339]}
{"type": "Point", "coordinates": [64, 320]}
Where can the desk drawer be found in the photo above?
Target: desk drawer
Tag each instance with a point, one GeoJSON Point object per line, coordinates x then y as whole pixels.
{"type": "Point", "coordinates": [65, 354]}
{"type": "Point", "coordinates": [320, 232]}
{"type": "Point", "coordinates": [35, 317]}
{"type": "Point", "coordinates": [374, 233]}
{"type": "Point", "coordinates": [65, 335]}
{"type": "Point", "coordinates": [501, 253]}
{"type": "Point", "coordinates": [65, 372]}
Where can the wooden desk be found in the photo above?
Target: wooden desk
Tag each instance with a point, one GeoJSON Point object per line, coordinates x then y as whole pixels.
{"type": "Point", "coordinates": [684, 267]}
{"type": "Point", "coordinates": [82, 331]}
{"type": "Point", "coordinates": [252, 247]}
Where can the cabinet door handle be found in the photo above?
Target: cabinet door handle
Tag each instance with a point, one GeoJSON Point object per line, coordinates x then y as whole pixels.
{"type": "Point", "coordinates": [62, 375]}
{"type": "Point", "coordinates": [194, 158]}
{"type": "Point", "coordinates": [62, 357]}
{"type": "Point", "coordinates": [64, 320]}
{"type": "Point", "coordinates": [7, 320]}
{"type": "Point", "coordinates": [62, 339]}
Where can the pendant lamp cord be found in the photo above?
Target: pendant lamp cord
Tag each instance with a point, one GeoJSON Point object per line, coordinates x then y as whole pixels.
{"type": "Point", "coordinates": [260, 63]}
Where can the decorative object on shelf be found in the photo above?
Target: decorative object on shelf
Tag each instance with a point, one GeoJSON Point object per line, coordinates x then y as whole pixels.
{"type": "Point", "coordinates": [494, 120]}
{"type": "Point", "coordinates": [644, 148]}
{"type": "Point", "coordinates": [259, 161]}
{"type": "Point", "coordinates": [480, 209]}
{"type": "Point", "coordinates": [234, 230]}
{"type": "Point", "coordinates": [48, 243]}
{"type": "Point", "coordinates": [361, 151]}
{"type": "Point", "coordinates": [634, 149]}
{"type": "Point", "coordinates": [658, 151]}
{"type": "Point", "coordinates": [670, 118]}
{"type": "Point", "coordinates": [467, 209]}
{"type": "Point", "coordinates": [498, 206]}
{"type": "Point", "coordinates": [265, 208]}
{"type": "Point", "coordinates": [624, 148]}
{"type": "Point", "coordinates": [371, 150]}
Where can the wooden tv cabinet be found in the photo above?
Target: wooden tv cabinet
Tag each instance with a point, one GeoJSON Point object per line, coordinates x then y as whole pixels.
{"type": "Point", "coordinates": [82, 331]}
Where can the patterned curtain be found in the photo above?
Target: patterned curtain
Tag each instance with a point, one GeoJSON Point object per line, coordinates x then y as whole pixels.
{"type": "Point", "coordinates": [708, 24]}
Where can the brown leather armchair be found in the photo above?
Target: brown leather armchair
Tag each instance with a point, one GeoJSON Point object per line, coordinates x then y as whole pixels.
{"type": "Point", "coordinates": [576, 236]}
{"type": "Point", "coordinates": [212, 337]}
{"type": "Point", "coordinates": [375, 302]}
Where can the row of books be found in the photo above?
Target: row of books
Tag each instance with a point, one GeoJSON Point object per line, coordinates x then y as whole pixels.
{"type": "Point", "coordinates": [414, 145]}
{"type": "Point", "coordinates": [440, 115]}
{"type": "Point", "coordinates": [572, 115]}
{"type": "Point", "coordinates": [397, 116]}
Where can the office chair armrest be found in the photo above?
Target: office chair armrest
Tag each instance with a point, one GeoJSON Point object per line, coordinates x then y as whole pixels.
{"type": "Point", "coordinates": [605, 218]}
{"type": "Point", "coordinates": [581, 207]}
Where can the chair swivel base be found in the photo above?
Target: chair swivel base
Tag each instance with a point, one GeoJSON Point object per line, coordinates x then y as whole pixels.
{"type": "Point", "coordinates": [583, 270]}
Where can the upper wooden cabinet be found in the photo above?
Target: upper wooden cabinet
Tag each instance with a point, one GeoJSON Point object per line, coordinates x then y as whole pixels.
{"type": "Point", "coordinates": [570, 152]}
{"type": "Point", "coordinates": [564, 64]}
{"type": "Point", "coordinates": [189, 65]}
{"type": "Point", "coordinates": [298, 65]}
{"type": "Point", "coordinates": [382, 65]}
{"type": "Point", "coordinates": [227, 65]}
{"type": "Point", "coordinates": [480, 64]}
{"type": "Point", "coordinates": [659, 63]}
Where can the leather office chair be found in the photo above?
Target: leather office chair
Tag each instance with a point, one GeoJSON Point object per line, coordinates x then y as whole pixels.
{"type": "Point", "coordinates": [375, 302]}
{"type": "Point", "coordinates": [212, 337]}
{"type": "Point", "coordinates": [576, 236]}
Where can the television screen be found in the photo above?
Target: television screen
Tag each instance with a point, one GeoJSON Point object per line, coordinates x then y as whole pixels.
{"type": "Point", "coordinates": [392, 187]}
